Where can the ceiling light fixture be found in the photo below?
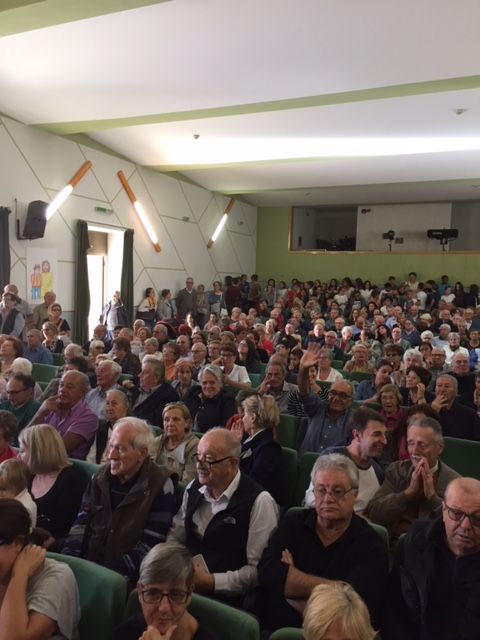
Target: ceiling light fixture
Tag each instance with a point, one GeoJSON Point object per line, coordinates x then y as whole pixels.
{"type": "Point", "coordinates": [140, 211]}
{"type": "Point", "coordinates": [221, 224]}
{"type": "Point", "coordinates": [60, 198]}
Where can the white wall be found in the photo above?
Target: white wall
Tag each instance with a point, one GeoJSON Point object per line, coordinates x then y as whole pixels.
{"type": "Point", "coordinates": [409, 221]}
{"type": "Point", "coordinates": [35, 165]}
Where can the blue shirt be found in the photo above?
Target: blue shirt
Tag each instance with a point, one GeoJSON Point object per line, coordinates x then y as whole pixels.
{"type": "Point", "coordinates": [38, 355]}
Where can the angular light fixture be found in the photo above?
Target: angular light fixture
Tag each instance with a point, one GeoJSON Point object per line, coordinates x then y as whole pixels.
{"type": "Point", "coordinates": [221, 224]}
{"type": "Point", "coordinates": [140, 211]}
{"type": "Point", "coordinates": [60, 198]}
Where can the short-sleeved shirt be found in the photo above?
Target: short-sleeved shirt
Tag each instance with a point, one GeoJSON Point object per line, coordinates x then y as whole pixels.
{"type": "Point", "coordinates": [53, 592]}
{"type": "Point", "coordinates": [81, 421]}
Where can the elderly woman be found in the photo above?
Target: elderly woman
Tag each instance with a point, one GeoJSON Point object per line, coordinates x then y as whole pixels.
{"type": "Point", "coordinates": [261, 456]}
{"type": "Point", "coordinates": [335, 610]}
{"type": "Point", "coordinates": [176, 447]}
{"type": "Point", "coordinates": [150, 348]}
{"type": "Point", "coordinates": [19, 365]}
{"type": "Point", "coordinates": [55, 317]}
{"type": "Point", "coordinates": [390, 399]}
{"type": "Point", "coordinates": [50, 339]}
{"type": "Point", "coordinates": [326, 373]}
{"type": "Point", "coordinates": [184, 370]}
{"type": "Point", "coordinates": [55, 485]}
{"type": "Point", "coordinates": [359, 361]}
{"type": "Point", "coordinates": [164, 592]}
{"type": "Point", "coordinates": [211, 405]}
{"type": "Point", "coordinates": [39, 595]}
{"type": "Point", "coordinates": [95, 349]}
{"type": "Point", "coordinates": [415, 391]}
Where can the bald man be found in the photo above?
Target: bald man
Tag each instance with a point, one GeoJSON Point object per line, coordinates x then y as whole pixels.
{"type": "Point", "coordinates": [435, 582]}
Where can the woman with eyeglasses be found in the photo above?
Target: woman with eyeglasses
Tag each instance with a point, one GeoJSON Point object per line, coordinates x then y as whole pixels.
{"type": "Point", "coordinates": [164, 592]}
{"type": "Point", "coordinates": [39, 596]}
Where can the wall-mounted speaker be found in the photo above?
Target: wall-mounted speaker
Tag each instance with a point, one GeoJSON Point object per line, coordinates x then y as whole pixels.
{"type": "Point", "coordinates": [36, 220]}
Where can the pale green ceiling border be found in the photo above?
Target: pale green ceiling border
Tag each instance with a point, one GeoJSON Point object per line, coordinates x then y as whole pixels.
{"type": "Point", "coordinates": [360, 95]}
{"type": "Point", "coordinates": [27, 15]}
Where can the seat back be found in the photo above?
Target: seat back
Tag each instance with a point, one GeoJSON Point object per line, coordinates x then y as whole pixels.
{"type": "Point", "coordinates": [44, 372]}
{"type": "Point", "coordinates": [338, 364]}
{"type": "Point", "coordinates": [88, 469]}
{"type": "Point", "coordinates": [288, 633]}
{"type": "Point", "coordinates": [58, 359]}
{"type": "Point", "coordinates": [289, 474]}
{"type": "Point", "coordinates": [219, 619]}
{"type": "Point", "coordinates": [463, 456]}
{"type": "Point", "coordinates": [102, 596]}
{"type": "Point", "coordinates": [357, 376]}
{"type": "Point", "coordinates": [305, 466]}
{"type": "Point", "coordinates": [256, 379]}
{"type": "Point", "coordinates": [287, 431]}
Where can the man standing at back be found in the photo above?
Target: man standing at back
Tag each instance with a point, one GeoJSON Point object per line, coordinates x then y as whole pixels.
{"type": "Point", "coordinates": [186, 300]}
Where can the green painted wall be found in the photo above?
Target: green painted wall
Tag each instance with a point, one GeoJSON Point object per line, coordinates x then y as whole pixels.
{"type": "Point", "coordinates": [274, 260]}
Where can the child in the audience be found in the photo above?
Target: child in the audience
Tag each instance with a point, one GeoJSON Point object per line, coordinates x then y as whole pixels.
{"type": "Point", "coordinates": [14, 483]}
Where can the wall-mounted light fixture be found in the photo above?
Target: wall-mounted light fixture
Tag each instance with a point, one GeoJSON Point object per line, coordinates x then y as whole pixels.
{"type": "Point", "coordinates": [140, 211]}
{"type": "Point", "coordinates": [221, 224]}
{"type": "Point", "coordinates": [60, 198]}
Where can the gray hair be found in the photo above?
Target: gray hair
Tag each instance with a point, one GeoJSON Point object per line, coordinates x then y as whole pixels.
{"type": "Point", "coordinates": [96, 343]}
{"type": "Point", "coordinates": [413, 353]}
{"type": "Point", "coordinates": [75, 348]}
{"type": "Point", "coordinates": [81, 377]}
{"type": "Point", "coordinates": [426, 334]}
{"type": "Point", "coordinates": [326, 352]}
{"type": "Point", "coordinates": [120, 394]}
{"type": "Point", "coordinates": [114, 366]}
{"type": "Point", "coordinates": [452, 379]}
{"type": "Point", "coordinates": [337, 462]}
{"type": "Point", "coordinates": [167, 563]}
{"type": "Point", "coordinates": [158, 366]}
{"type": "Point", "coordinates": [232, 447]}
{"type": "Point", "coordinates": [143, 438]}
{"type": "Point", "coordinates": [424, 422]}
{"type": "Point", "coordinates": [453, 334]}
{"type": "Point", "coordinates": [22, 365]}
{"type": "Point", "coordinates": [213, 370]}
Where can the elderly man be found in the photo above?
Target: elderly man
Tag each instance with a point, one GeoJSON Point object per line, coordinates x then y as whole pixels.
{"type": "Point", "coordinates": [153, 393]}
{"type": "Point", "coordinates": [225, 520]}
{"type": "Point", "coordinates": [21, 403]}
{"type": "Point", "coordinates": [122, 353]}
{"type": "Point", "coordinates": [329, 542]}
{"type": "Point", "coordinates": [99, 333]}
{"type": "Point", "coordinates": [437, 362]}
{"type": "Point", "coordinates": [184, 344]}
{"type": "Point", "coordinates": [413, 489]}
{"type": "Point", "coordinates": [328, 422]}
{"type": "Point", "coordinates": [366, 447]}
{"type": "Point", "coordinates": [107, 372]}
{"type": "Point", "coordinates": [128, 505]}
{"type": "Point", "coordinates": [457, 420]}
{"type": "Point", "coordinates": [275, 385]}
{"type": "Point", "coordinates": [442, 339]}
{"type": "Point", "coordinates": [460, 370]}
{"type": "Point", "coordinates": [70, 415]}
{"type": "Point", "coordinates": [40, 312]}
{"type": "Point", "coordinates": [186, 300]}
{"type": "Point", "coordinates": [35, 351]}
{"type": "Point", "coordinates": [434, 587]}
{"type": "Point", "coordinates": [199, 357]}
{"type": "Point", "coordinates": [331, 344]}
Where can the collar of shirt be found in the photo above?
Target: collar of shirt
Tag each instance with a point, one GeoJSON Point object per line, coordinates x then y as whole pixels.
{"type": "Point", "coordinates": [225, 496]}
{"type": "Point", "coordinates": [250, 438]}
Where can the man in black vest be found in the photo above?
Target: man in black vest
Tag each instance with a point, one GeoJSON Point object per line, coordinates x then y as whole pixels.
{"type": "Point", "coordinates": [225, 520]}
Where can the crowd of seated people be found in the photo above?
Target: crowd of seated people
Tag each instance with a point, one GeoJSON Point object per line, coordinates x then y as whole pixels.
{"type": "Point", "coordinates": [381, 375]}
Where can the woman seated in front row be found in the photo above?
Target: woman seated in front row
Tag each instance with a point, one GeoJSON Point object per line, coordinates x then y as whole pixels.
{"type": "Point", "coordinates": [164, 591]}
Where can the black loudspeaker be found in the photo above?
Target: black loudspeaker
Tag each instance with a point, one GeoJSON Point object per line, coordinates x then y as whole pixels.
{"type": "Point", "coordinates": [36, 220]}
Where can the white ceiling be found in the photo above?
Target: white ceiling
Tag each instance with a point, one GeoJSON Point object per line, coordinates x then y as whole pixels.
{"type": "Point", "coordinates": [276, 90]}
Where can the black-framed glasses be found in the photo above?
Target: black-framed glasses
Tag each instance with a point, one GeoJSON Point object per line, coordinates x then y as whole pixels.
{"type": "Point", "coordinates": [457, 515]}
{"type": "Point", "coordinates": [337, 493]}
{"type": "Point", "coordinates": [208, 463]}
{"type": "Point", "coordinates": [155, 596]}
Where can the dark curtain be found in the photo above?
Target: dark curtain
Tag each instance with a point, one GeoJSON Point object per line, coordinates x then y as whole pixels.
{"type": "Point", "coordinates": [4, 248]}
{"type": "Point", "coordinates": [82, 289]}
{"type": "Point", "coordinates": [126, 282]}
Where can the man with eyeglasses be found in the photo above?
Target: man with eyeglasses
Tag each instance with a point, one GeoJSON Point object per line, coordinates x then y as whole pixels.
{"type": "Point", "coordinates": [413, 489]}
{"type": "Point", "coordinates": [225, 520]}
{"type": "Point", "coordinates": [21, 402]}
{"type": "Point", "coordinates": [328, 421]}
{"type": "Point", "coordinates": [434, 588]}
{"type": "Point", "coordinates": [328, 542]}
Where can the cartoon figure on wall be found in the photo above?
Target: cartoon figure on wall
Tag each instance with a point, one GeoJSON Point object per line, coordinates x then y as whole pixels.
{"type": "Point", "coordinates": [46, 278]}
{"type": "Point", "coordinates": [42, 273]}
{"type": "Point", "coordinates": [35, 284]}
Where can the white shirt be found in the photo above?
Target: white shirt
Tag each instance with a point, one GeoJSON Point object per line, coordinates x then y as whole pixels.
{"type": "Point", "coordinates": [26, 499]}
{"type": "Point", "coordinates": [263, 522]}
{"type": "Point", "coordinates": [239, 374]}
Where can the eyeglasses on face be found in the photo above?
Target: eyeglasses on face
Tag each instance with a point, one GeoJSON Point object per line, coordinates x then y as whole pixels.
{"type": "Point", "coordinates": [155, 596]}
{"type": "Point", "coordinates": [208, 463]}
{"type": "Point", "coordinates": [337, 493]}
{"type": "Point", "coordinates": [339, 394]}
{"type": "Point", "coordinates": [457, 515]}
